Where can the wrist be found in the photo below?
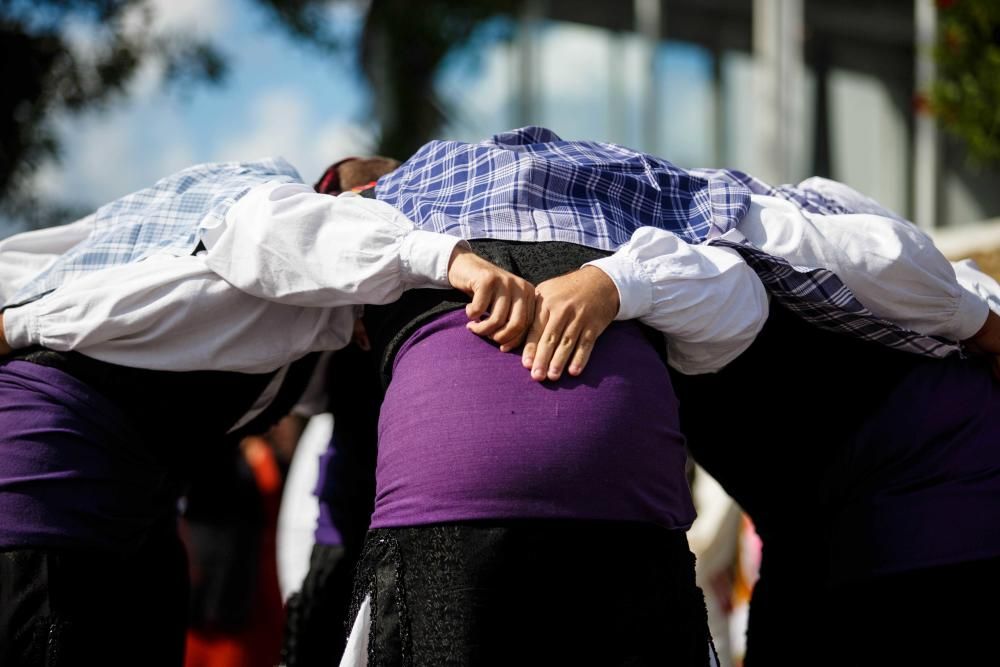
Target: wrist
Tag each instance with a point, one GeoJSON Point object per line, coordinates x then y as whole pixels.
{"type": "Point", "coordinates": [4, 347]}
{"type": "Point", "coordinates": [604, 288]}
{"type": "Point", "coordinates": [987, 339]}
{"type": "Point", "coordinates": [462, 256]}
{"type": "Point", "coordinates": [633, 291]}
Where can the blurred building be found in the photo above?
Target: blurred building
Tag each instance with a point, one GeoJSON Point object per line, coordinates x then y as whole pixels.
{"type": "Point", "coordinates": [783, 89]}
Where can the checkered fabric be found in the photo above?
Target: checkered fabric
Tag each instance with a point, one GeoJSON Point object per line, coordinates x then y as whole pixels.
{"type": "Point", "coordinates": [819, 297]}
{"type": "Point", "coordinates": [530, 185]}
{"type": "Point", "coordinates": [165, 218]}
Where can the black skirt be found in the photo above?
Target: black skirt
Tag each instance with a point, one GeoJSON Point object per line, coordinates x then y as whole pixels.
{"type": "Point", "coordinates": [529, 592]}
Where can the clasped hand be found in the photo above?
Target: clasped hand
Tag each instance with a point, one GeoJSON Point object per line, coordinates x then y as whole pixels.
{"type": "Point", "coordinates": [558, 321]}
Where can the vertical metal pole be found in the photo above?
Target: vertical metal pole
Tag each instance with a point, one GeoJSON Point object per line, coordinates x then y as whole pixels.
{"type": "Point", "coordinates": [925, 136]}
{"type": "Point", "coordinates": [648, 17]}
{"type": "Point", "coordinates": [616, 89]}
{"type": "Point", "coordinates": [527, 62]}
{"type": "Point", "coordinates": [778, 126]}
{"type": "Point", "coordinates": [791, 78]}
{"type": "Point", "coordinates": [719, 142]}
{"type": "Point", "coordinates": [765, 111]}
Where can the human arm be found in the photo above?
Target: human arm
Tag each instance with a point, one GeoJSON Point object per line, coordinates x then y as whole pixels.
{"type": "Point", "coordinates": [986, 341]}
{"type": "Point", "coordinates": [890, 265]}
{"type": "Point", "coordinates": [288, 244]}
{"type": "Point", "coordinates": [172, 313]}
{"type": "Point", "coordinates": [24, 255]}
{"type": "Point", "coordinates": [706, 301]}
{"type": "Point", "coordinates": [5, 349]}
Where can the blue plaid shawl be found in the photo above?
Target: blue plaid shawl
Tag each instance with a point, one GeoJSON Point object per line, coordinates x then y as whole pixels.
{"type": "Point", "coordinates": [530, 185]}
{"type": "Point", "coordinates": [165, 218]}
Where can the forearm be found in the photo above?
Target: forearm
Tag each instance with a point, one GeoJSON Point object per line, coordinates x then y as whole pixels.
{"type": "Point", "coordinates": [707, 302]}
{"type": "Point", "coordinates": [892, 267]}
{"type": "Point", "coordinates": [288, 244]}
{"type": "Point", "coordinates": [171, 313]}
{"type": "Point", "coordinates": [5, 349]}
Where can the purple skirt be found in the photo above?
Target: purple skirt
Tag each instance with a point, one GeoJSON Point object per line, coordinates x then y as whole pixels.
{"type": "Point", "coordinates": [465, 434]}
{"type": "Point", "coordinates": [72, 471]}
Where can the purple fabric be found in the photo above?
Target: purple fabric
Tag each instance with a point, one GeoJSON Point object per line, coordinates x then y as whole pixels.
{"type": "Point", "coordinates": [326, 531]}
{"type": "Point", "coordinates": [924, 475]}
{"type": "Point", "coordinates": [466, 434]}
{"type": "Point", "coordinates": [72, 473]}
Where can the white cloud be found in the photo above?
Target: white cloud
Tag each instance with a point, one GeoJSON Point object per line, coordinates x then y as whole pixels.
{"type": "Point", "coordinates": [202, 16]}
{"type": "Point", "coordinates": [109, 154]}
{"type": "Point", "coordinates": [334, 141]}
{"type": "Point", "coordinates": [199, 18]}
{"type": "Point", "coordinates": [277, 118]}
{"type": "Point", "coordinates": [281, 125]}
{"type": "Point", "coordinates": [103, 145]}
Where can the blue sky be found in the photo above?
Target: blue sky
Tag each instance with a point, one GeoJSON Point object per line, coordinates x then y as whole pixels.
{"type": "Point", "coordinates": [284, 98]}
{"type": "Point", "coordinates": [279, 98]}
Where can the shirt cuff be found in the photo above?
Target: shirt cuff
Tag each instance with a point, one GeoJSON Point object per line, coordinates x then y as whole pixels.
{"type": "Point", "coordinates": [20, 328]}
{"type": "Point", "coordinates": [425, 256]}
{"type": "Point", "coordinates": [971, 314]}
{"type": "Point", "coordinates": [635, 289]}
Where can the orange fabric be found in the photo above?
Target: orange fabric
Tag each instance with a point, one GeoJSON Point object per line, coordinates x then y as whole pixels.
{"type": "Point", "coordinates": [258, 644]}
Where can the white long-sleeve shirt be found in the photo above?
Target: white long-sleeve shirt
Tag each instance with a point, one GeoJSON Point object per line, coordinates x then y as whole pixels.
{"type": "Point", "coordinates": [890, 265]}
{"type": "Point", "coordinates": [298, 259]}
{"type": "Point", "coordinates": [278, 279]}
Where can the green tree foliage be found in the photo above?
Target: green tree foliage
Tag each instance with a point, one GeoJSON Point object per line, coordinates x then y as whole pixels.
{"type": "Point", "coordinates": [966, 95]}
{"type": "Point", "coordinates": [44, 75]}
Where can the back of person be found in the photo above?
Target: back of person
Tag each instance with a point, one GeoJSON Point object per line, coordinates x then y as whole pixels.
{"type": "Point", "coordinates": [518, 522]}
{"type": "Point", "coordinates": [872, 476]}
{"type": "Point", "coordinates": [465, 434]}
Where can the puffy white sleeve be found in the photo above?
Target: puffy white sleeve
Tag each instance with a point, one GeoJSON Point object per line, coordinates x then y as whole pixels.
{"type": "Point", "coordinates": [286, 243]}
{"type": "Point", "coordinates": [891, 266]}
{"type": "Point", "coordinates": [173, 313]}
{"type": "Point", "coordinates": [972, 278]}
{"type": "Point", "coordinates": [707, 302]}
{"type": "Point", "coordinates": [23, 256]}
